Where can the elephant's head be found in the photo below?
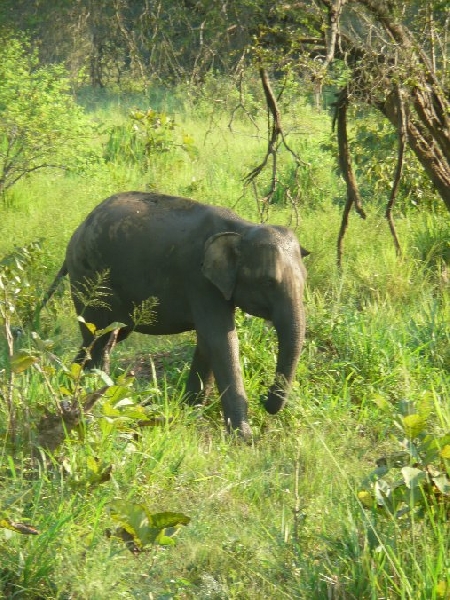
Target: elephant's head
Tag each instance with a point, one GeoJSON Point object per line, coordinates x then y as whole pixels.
{"type": "Point", "coordinates": [262, 272]}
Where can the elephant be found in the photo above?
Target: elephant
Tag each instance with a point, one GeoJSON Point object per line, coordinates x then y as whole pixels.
{"type": "Point", "coordinates": [199, 262]}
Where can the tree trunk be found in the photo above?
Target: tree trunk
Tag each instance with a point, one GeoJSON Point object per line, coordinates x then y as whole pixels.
{"type": "Point", "coordinates": [428, 121]}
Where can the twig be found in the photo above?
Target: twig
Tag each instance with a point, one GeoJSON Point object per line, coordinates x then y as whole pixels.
{"type": "Point", "coordinates": [402, 139]}
{"type": "Point", "coordinates": [53, 428]}
{"type": "Point", "coordinates": [345, 163]}
{"type": "Point", "coordinates": [241, 103]}
{"type": "Point", "coordinates": [334, 12]}
{"type": "Point", "coordinates": [276, 138]}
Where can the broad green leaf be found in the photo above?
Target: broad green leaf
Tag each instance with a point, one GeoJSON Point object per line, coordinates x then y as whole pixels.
{"type": "Point", "coordinates": [103, 376]}
{"type": "Point", "coordinates": [98, 471]}
{"type": "Point", "coordinates": [442, 482]}
{"type": "Point", "coordinates": [398, 495]}
{"type": "Point", "coordinates": [169, 519]}
{"type": "Point", "coordinates": [116, 394]}
{"type": "Point", "coordinates": [126, 412]}
{"type": "Point", "coordinates": [381, 490]}
{"type": "Point", "coordinates": [413, 425]}
{"type": "Point", "coordinates": [109, 411]}
{"type": "Point", "coordinates": [146, 528]}
{"type": "Point", "coordinates": [64, 391]}
{"type": "Point", "coordinates": [164, 540]}
{"type": "Point", "coordinates": [75, 370]}
{"type": "Point", "coordinates": [112, 327]}
{"type": "Point", "coordinates": [413, 477]}
{"type": "Point", "coordinates": [430, 449]}
{"type": "Point", "coordinates": [135, 520]}
{"type": "Point", "coordinates": [92, 328]}
{"type": "Point", "coordinates": [365, 498]}
{"type": "Point", "coordinates": [133, 412]}
{"type": "Point", "coordinates": [445, 452]}
{"type": "Point", "coordinates": [22, 361]}
{"type": "Point", "coordinates": [124, 403]}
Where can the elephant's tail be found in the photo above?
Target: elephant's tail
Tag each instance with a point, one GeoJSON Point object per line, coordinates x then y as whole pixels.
{"type": "Point", "coordinates": [48, 294]}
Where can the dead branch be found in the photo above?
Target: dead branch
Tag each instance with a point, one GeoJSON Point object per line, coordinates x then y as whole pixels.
{"type": "Point", "coordinates": [276, 138]}
{"type": "Point", "coordinates": [402, 139]}
{"type": "Point", "coordinates": [53, 428]}
{"type": "Point", "coordinates": [241, 104]}
{"type": "Point", "coordinates": [335, 10]}
{"type": "Point", "coordinates": [345, 163]}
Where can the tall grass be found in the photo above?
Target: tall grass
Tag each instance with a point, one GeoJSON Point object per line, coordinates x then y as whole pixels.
{"type": "Point", "coordinates": [281, 517]}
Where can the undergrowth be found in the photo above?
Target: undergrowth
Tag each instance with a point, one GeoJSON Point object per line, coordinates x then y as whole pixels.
{"type": "Point", "coordinates": [342, 495]}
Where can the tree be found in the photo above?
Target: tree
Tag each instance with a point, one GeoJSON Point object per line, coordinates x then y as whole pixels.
{"type": "Point", "coordinates": [395, 58]}
{"type": "Point", "coordinates": [398, 73]}
{"type": "Point", "coordinates": [41, 126]}
{"type": "Point", "coordinates": [386, 54]}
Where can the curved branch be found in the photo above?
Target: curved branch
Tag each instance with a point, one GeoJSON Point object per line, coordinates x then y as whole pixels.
{"type": "Point", "coordinates": [345, 163]}
{"type": "Point", "coordinates": [273, 142]}
{"type": "Point", "coordinates": [402, 139]}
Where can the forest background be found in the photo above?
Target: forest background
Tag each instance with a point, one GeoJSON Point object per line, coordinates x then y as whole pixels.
{"type": "Point", "coordinates": [295, 113]}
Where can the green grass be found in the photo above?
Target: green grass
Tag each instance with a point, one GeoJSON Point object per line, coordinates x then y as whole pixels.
{"type": "Point", "coordinates": [280, 517]}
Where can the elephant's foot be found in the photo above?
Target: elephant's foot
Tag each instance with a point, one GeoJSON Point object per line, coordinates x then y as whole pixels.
{"type": "Point", "coordinates": [194, 398]}
{"type": "Point", "coordinates": [242, 431]}
{"type": "Point", "coordinates": [275, 400]}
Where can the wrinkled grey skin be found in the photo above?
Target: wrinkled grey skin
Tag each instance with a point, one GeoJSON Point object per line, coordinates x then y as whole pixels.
{"type": "Point", "coordinates": [200, 262]}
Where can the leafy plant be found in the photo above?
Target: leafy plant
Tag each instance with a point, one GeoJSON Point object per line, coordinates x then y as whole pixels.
{"type": "Point", "coordinates": [416, 479]}
{"type": "Point", "coordinates": [146, 135]}
{"type": "Point", "coordinates": [374, 148]}
{"type": "Point", "coordinates": [93, 292]}
{"type": "Point", "coordinates": [17, 299]}
{"type": "Point", "coordinates": [19, 284]}
{"type": "Point", "coordinates": [41, 126]}
{"type": "Point", "coordinates": [140, 528]}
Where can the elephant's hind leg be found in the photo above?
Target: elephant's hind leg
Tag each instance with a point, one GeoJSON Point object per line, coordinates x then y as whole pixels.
{"type": "Point", "coordinates": [201, 379]}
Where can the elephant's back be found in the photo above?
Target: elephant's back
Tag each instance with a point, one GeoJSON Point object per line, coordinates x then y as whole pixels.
{"type": "Point", "coordinates": [133, 228]}
{"type": "Point", "coordinates": [141, 208]}
{"type": "Point", "coordinates": [125, 215]}
{"type": "Point", "coordinates": [132, 216]}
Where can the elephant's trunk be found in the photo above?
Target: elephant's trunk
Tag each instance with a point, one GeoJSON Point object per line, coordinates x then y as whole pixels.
{"type": "Point", "coordinates": [290, 328]}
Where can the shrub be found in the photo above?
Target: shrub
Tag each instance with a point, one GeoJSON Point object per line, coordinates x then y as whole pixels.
{"type": "Point", "coordinates": [41, 126]}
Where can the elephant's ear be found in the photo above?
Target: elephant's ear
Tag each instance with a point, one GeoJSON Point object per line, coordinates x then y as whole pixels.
{"type": "Point", "coordinates": [221, 261]}
{"type": "Point", "coordinates": [304, 252]}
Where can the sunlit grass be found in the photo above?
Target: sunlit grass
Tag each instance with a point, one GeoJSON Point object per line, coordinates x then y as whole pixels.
{"type": "Point", "coordinates": [279, 517]}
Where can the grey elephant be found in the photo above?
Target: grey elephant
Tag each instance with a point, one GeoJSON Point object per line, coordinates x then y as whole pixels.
{"type": "Point", "coordinates": [200, 262]}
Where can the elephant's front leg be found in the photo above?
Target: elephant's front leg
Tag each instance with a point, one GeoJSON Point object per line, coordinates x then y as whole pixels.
{"type": "Point", "coordinates": [217, 335]}
{"type": "Point", "coordinates": [201, 378]}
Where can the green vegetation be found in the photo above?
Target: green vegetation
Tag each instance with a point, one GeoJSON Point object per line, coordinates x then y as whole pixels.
{"type": "Point", "coordinates": [97, 472]}
{"type": "Point", "coordinates": [41, 127]}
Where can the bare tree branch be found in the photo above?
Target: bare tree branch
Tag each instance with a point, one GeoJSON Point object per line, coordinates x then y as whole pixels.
{"type": "Point", "coordinates": [276, 138]}
{"type": "Point", "coordinates": [402, 139]}
{"type": "Point", "coordinates": [345, 163]}
{"type": "Point", "coordinates": [241, 103]}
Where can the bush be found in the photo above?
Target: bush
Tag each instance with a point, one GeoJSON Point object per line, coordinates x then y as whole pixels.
{"type": "Point", "coordinates": [144, 136]}
{"type": "Point", "coordinates": [41, 126]}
